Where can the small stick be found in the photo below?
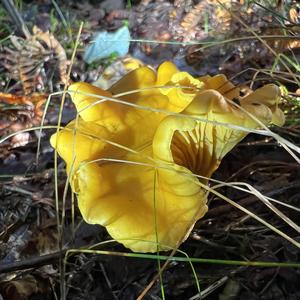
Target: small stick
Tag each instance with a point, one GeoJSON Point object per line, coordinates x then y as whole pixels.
{"type": "Point", "coordinates": [32, 262]}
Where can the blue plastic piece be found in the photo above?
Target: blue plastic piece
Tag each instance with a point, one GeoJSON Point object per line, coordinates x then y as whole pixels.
{"type": "Point", "coordinates": [105, 44]}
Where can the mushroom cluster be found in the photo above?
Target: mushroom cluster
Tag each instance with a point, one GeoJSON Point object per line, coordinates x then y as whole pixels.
{"type": "Point", "coordinates": [133, 153]}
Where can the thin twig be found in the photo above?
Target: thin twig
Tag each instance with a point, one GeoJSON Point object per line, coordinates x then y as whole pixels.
{"type": "Point", "coordinates": [32, 262]}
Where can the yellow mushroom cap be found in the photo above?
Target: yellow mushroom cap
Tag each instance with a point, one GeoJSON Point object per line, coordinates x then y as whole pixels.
{"type": "Point", "coordinates": [134, 167]}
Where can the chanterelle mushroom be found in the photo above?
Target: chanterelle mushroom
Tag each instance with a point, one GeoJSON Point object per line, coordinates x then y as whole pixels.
{"type": "Point", "coordinates": [112, 149]}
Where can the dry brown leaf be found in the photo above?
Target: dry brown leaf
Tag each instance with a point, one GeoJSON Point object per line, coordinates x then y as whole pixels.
{"type": "Point", "coordinates": [21, 288]}
{"type": "Point", "coordinates": [18, 112]}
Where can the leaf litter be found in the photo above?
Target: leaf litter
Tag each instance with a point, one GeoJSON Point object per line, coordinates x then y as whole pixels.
{"type": "Point", "coordinates": [28, 230]}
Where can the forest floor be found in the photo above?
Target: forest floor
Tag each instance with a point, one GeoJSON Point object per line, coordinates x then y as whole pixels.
{"type": "Point", "coordinates": [252, 44]}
